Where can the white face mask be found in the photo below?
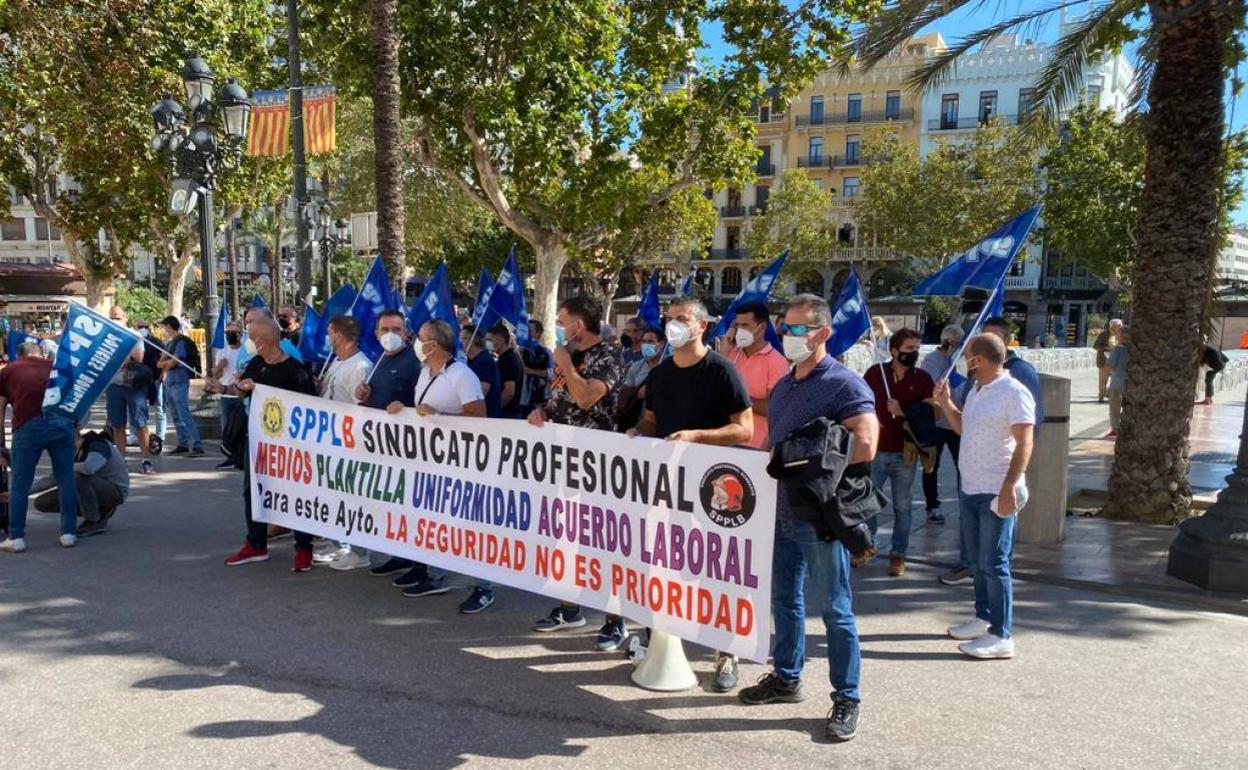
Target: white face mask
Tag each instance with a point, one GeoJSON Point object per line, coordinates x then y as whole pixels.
{"type": "Point", "coordinates": [391, 342]}
{"type": "Point", "coordinates": [678, 335]}
{"type": "Point", "coordinates": [489, 346]}
{"type": "Point", "coordinates": [422, 352]}
{"type": "Point", "coordinates": [796, 349]}
{"type": "Point", "coordinates": [745, 338]}
{"type": "Point", "coordinates": [250, 346]}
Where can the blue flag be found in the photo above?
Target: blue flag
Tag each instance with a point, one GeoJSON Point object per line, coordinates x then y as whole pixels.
{"type": "Point", "coordinates": [15, 339]}
{"type": "Point", "coordinates": [686, 286]}
{"type": "Point", "coordinates": [982, 265]}
{"type": "Point", "coordinates": [92, 350]}
{"type": "Point", "coordinates": [373, 297]}
{"type": "Point", "coordinates": [434, 304]}
{"type": "Point", "coordinates": [258, 301]}
{"type": "Point", "coordinates": [757, 290]}
{"type": "Point", "coordinates": [648, 311]}
{"type": "Point", "coordinates": [984, 314]}
{"type": "Point", "coordinates": [218, 335]}
{"type": "Point", "coordinates": [506, 302]}
{"type": "Point", "coordinates": [850, 319]}
{"type": "Point", "coordinates": [339, 303]}
{"type": "Point", "coordinates": [996, 303]}
{"type": "Point", "coordinates": [314, 336]}
{"type": "Point", "coordinates": [485, 287]}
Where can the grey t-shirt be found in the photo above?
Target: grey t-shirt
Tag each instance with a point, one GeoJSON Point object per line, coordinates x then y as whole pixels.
{"type": "Point", "coordinates": [104, 462]}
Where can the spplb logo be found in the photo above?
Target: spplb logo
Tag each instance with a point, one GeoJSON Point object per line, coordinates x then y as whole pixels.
{"type": "Point", "coordinates": [728, 495]}
{"type": "Point", "coordinates": [273, 417]}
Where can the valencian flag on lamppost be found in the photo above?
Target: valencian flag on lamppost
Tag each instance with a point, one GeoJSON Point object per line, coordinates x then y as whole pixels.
{"type": "Point", "coordinates": [92, 350]}
{"type": "Point", "coordinates": [269, 136]}
{"type": "Point", "coordinates": [982, 265]}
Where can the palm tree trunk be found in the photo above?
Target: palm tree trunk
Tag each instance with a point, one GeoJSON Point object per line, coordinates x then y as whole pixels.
{"type": "Point", "coordinates": [1178, 242]}
{"type": "Point", "coordinates": [387, 143]}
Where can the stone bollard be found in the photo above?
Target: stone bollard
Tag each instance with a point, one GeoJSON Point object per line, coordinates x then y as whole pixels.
{"type": "Point", "coordinates": [1044, 518]}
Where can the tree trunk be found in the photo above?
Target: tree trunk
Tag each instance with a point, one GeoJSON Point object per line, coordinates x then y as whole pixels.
{"type": "Point", "coordinates": [387, 142]}
{"type": "Point", "coordinates": [180, 265]}
{"type": "Point", "coordinates": [97, 283]}
{"type": "Point", "coordinates": [1178, 243]}
{"type": "Point", "coordinates": [551, 259]}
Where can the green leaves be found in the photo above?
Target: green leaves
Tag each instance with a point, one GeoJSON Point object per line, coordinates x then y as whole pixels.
{"type": "Point", "coordinates": [796, 219]}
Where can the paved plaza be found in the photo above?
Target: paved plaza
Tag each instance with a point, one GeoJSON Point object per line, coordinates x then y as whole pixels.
{"type": "Point", "coordinates": [139, 649]}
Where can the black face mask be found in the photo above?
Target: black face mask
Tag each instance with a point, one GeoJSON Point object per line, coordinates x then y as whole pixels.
{"type": "Point", "coordinates": [626, 341]}
{"type": "Point", "coordinates": [233, 337]}
{"type": "Point", "coordinates": [908, 359]}
{"type": "Point", "coordinates": [284, 323]}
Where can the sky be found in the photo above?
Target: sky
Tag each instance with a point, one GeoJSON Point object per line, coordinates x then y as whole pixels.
{"type": "Point", "coordinates": [962, 22]}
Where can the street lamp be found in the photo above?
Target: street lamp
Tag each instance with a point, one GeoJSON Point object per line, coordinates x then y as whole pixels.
{"type": "Point", "coordinates": [334, 233]}
{"type": "Point", "coordinates": [197, 150]}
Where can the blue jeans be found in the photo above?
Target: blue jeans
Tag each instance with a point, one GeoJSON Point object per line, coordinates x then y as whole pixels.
{"type": "Point", "coordinates": [162, 420]}
{"type": "Point", "coordinates": [889, 466]}
{"type": "Point", "coordinates": [990, 539]}
{"type": "Point", "coordinates": [178, 403]}
{"type": "Point", "coordinates": [799, 550]}
{"type": "Point", "coordinates": [55, 434]}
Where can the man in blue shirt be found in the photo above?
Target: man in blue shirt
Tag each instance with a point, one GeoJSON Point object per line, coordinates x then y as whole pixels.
{"type": "Point", "coordinates": [178, 388]}
{"type": "Point", "coordinates": [817, 386]}
{"type": "Point", "coordinates": [482, 364]}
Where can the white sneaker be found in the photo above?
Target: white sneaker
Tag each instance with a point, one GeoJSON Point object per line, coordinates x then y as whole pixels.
{"type": "Point", "coordinates": [349, 560]}
{"type": "Point", "coordinates": [988, 647]}
{"type": "Point", "coordinates": [972, 629]}
{"type": "Point", "coordinates": [13, 545]}
{"type": "Point", "coordinates": [69, 541]}
{"type": "Point", "coordinates": [327, 555]}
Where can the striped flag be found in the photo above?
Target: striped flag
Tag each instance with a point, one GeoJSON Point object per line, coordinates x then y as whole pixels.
{"type": "Point", "coordinates": [270, 125]}
{"type": "Point", "coordinates": [319, 106]}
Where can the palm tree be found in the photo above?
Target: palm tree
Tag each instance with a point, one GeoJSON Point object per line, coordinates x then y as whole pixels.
{"type": "Point", "coordinates": [388, 156]}
{"type": "Point", "coordinates": [1186, 47]}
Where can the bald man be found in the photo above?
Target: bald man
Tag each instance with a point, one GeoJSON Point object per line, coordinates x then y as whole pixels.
{"type": "Point", "coordinates": [273, 367]}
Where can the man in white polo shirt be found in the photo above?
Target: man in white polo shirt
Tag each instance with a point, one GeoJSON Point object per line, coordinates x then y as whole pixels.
{"type": "Point", "coordinates": [996, 427]}
{"type": "Point", "coordinates": [445, 386]}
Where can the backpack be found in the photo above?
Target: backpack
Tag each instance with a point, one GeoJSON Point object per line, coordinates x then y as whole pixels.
{"type": "Point", "coordinates": [192, 352]}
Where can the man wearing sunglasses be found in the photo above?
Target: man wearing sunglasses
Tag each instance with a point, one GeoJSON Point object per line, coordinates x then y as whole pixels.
{"type": "Point", "coordinates": [817, 386]}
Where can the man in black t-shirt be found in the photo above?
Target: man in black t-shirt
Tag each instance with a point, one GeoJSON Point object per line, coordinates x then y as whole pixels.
{"type": "Point", "coordinates": [536, 370]}
{"type": "Point", "coordinates": [697, 396]}
{"type": "Point", "coordinates": [273, 367]}
{"type": "Point", "coordinates": [510, 371]}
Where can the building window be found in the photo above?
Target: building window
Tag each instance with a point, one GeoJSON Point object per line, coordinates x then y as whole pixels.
{"type": "Point", "coordinates": [854, 111]}
{"type": "Point", "coordinates": [948, 112]}
{"type": "Point", "coordinates": [892, 105]}
{"type": "Point", "coordinates": [13, 230]}
{"type": "Point", "coordinates": [819, 184]}
{"type": "Point", "coordinates": [1017, 267]}
{"type": "Point", "coordinates": [987, 105]}
{"type": "Point", "coordinates": [816, 110]}
{"type": "Point", "coordinates": [730, 281]}
{"type": "Point", "coordinates": [764, 113]}
{"type": "Point", "coordinates": [815, 153]}
{"type": "Point", "coordinates": [853, 148]}
{"type": "Point", "coordinates": [734, 198]}
{"type": "Point", "coordinates": [764, 161]}
{"type": "Point", "coordinates": [1094, 94]}
{"type": "Point", "coordinates": [734, 238]}
{"type": "Point", "coordinates": [851, 186]}
{"type": "Point", "coordinates": [761, 194]}
{"type": "Point", "coordinates": [1026, 101]}
{"type": "Point", "coordinates": [41, 231]}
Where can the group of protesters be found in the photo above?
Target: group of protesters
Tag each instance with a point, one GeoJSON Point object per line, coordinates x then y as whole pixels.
{"type": "Point", "coordinates": [670, 383]}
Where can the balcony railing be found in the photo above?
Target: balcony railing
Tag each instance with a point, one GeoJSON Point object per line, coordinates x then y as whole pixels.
{"type": "Point", "coordinates": [843, 201]}
{"type": "Point", "coordinates": [732, 211]}
{"type": "Point", "coordinates": [1022, 282]}
{"type": "Point", "coordinates": [812, 161]}
{"type": "Point", "coordinates": [730, 254]}
{"type": "Point", "coordinates": [765, 169]}
{"type": "Point", "coordinates": [963, 124]}
{"type": "Point", "coordinates": [1073, 282]}
{"type": "Point", "coordinates": [845, 160]}
{"type": "Point", "coordinates": [843, 118]}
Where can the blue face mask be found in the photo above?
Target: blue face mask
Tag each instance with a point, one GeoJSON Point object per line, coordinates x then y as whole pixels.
{"type": "Point", "coordinates": [561, 337]}
{"type": "Point", "coordinates": [649, 350]}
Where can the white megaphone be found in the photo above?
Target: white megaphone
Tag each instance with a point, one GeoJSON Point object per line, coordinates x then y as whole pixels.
{"type": "Point", "coordinates": [665, 668]}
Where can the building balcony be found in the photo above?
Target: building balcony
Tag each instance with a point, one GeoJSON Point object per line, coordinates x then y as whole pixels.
{"type": "Point", "coordinates": [1022, 282]}
{"type": "Point", "coordinates": [765, 169]}
{"type": "Point", "coordinates": [967, 124]}
{"type": "Point", "coordinates": [843, 201]}
{"type": "Point", "coordinates": [840, 161]}
{"type": "Point", "coordinates": [813, 161]}
{"type": "Point", "coordinates": [730, 212]}
{"type": "Point", "coordinates": [845, 118]}
{"type": "Point", "coordinates": [1085, 282]}
{"type": "Point", "coordinates": [726, 254]}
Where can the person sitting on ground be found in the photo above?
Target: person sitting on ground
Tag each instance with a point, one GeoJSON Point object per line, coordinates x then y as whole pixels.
{"type": "Point", "coordinates": [101, 479]}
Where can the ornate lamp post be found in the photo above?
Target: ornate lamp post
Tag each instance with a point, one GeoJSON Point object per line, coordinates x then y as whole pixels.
{"type": "Point", "coordinates": [197, 152]}
{"type": "Point", "coordinates": [334, 233]}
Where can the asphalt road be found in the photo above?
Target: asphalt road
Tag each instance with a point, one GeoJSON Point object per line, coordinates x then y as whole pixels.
{"type": "Point", "coordinates": [140, 649]}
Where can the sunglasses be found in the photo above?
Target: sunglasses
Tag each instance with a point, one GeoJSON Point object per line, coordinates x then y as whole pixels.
{"type": "Point", "coordinates": [799, 330]}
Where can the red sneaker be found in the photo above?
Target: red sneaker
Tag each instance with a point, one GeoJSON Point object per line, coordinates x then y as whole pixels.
{"type": "Point", "coordinates": [303, 560]}
{"type": "Point", "coordinates": [246, 555]}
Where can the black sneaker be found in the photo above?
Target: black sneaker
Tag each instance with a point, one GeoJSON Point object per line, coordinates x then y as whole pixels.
{"type": "Point", "coordinates": [842, 720]}
{"type": "Point", "coordinates": [89, 528]}
{"type": "Point", "coordinates": [772, 689]}
{"type": "Point", "coordinates": [428, 587]}
{"type": "Point", "coordinates": [393, 564]}
{"type": "Point", "coordinates": [956, 576]}
{"type": "Point", "coordinates": [181, 450]}
{"type": "Point", "coordinates": [479, 599]}
{"type": "Point", "coordinates": [196, 452]}
{"type": "Point", "coordinates": [560, 618]}
{"type": "Point", "coordinates": [225, 464]}
{"type": "Point", "coordinates": [611, 636]}
{"type": "Point", "coordinates": [935, 517]}
{"type": "Point", "coordinates": [419, 573]}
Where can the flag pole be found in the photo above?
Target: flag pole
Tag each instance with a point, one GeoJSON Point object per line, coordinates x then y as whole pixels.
{"type": "Point", "coordinates": [142, 339]}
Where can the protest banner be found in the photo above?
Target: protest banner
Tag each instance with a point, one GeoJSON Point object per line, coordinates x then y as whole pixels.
{"type": "Point", "coordinates": [673, 535]}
